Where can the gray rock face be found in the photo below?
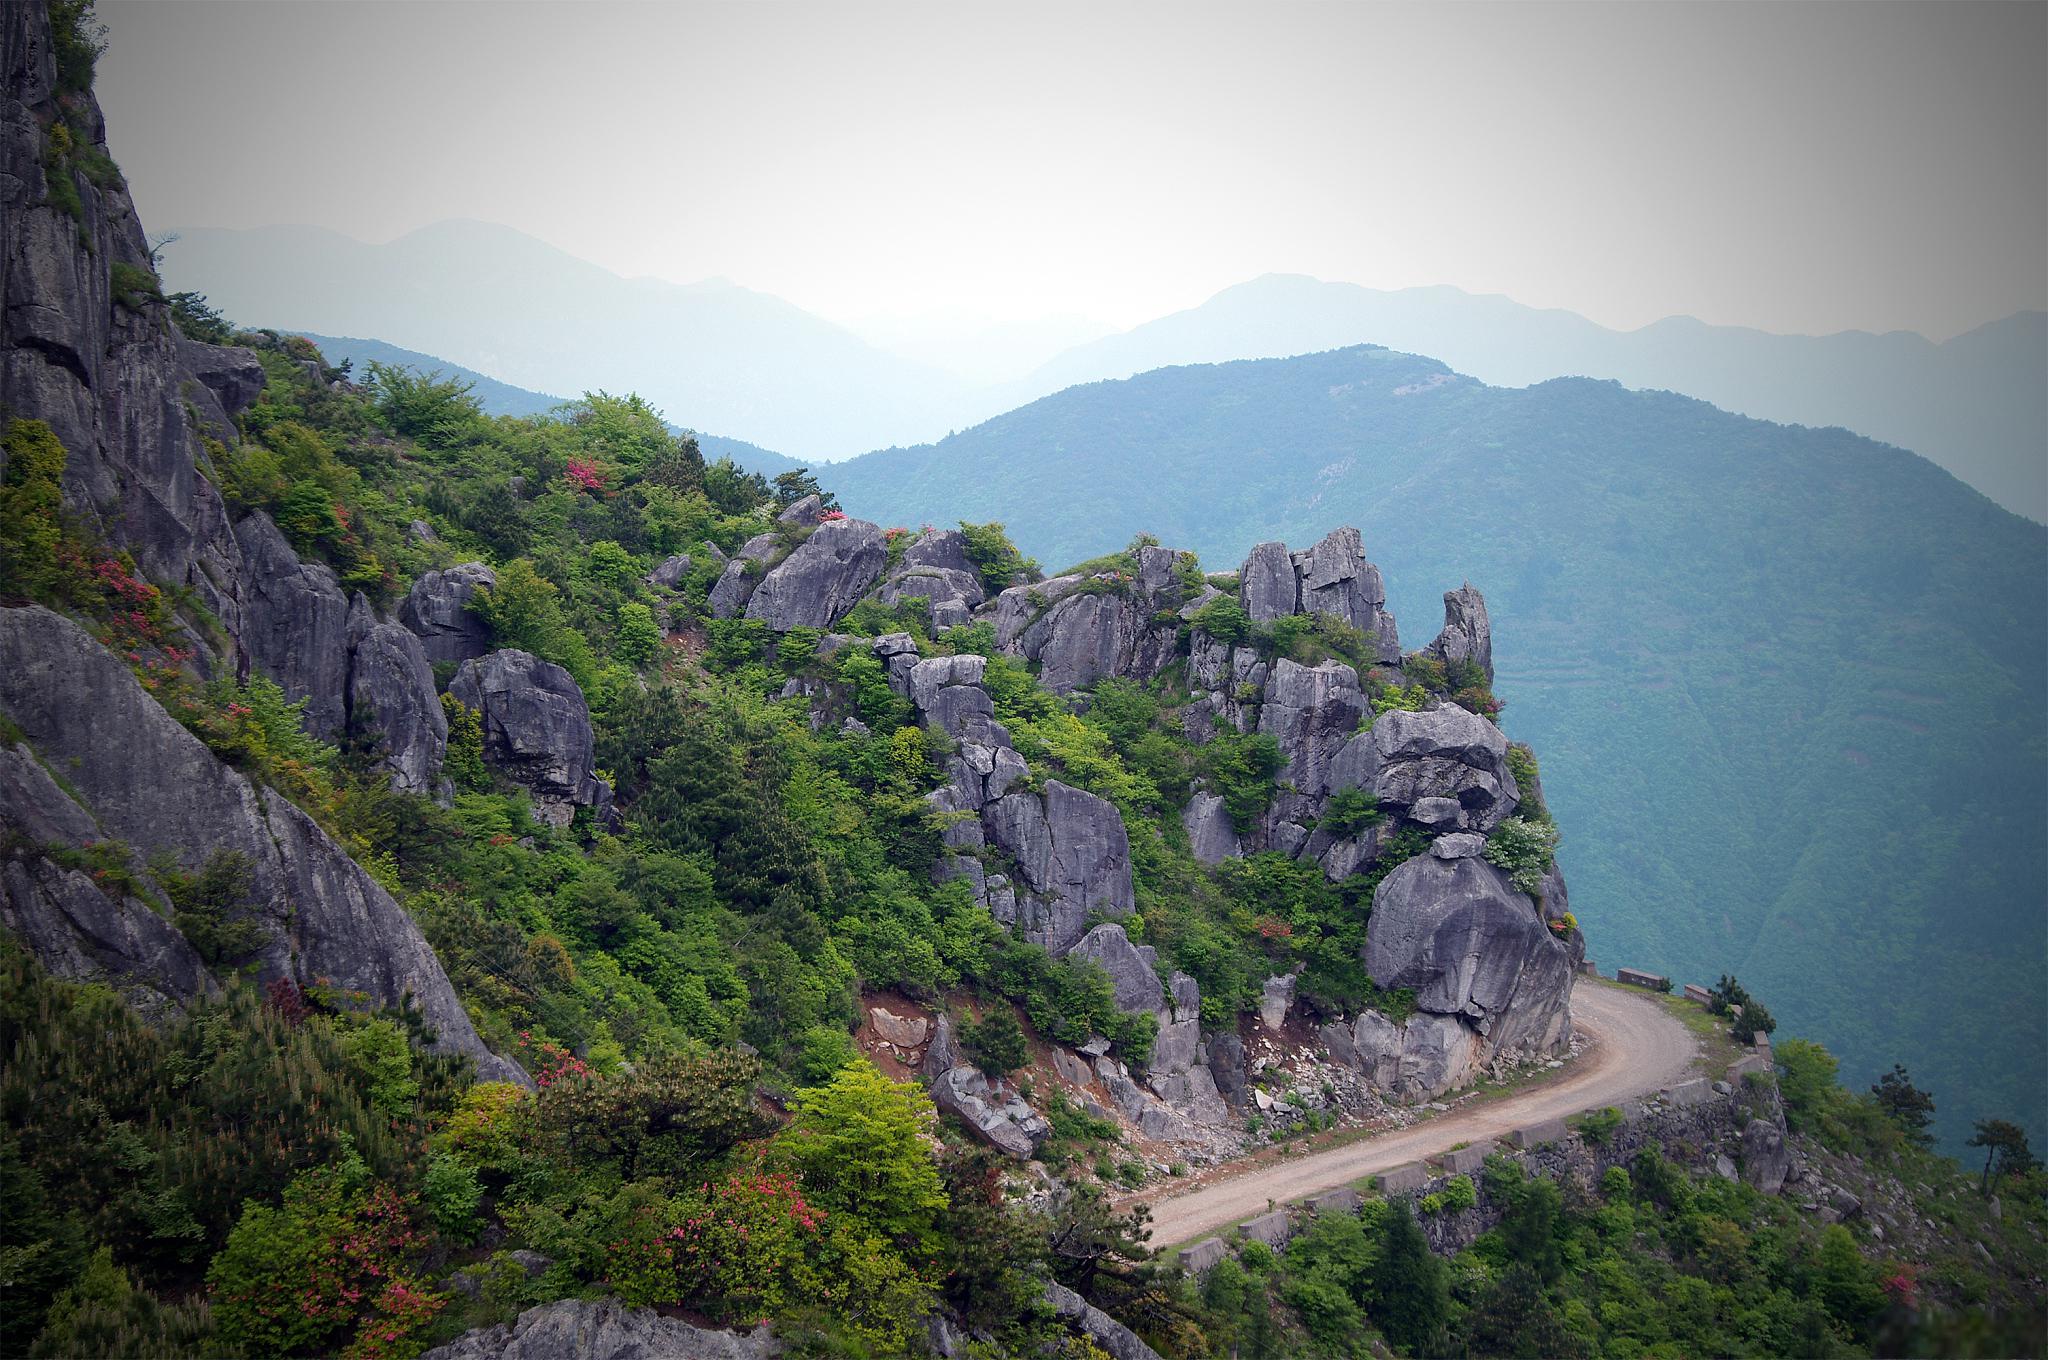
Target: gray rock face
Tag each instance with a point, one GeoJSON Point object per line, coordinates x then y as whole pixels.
{"type": "Point", "coordinates": [936, 568]}
{"type": "Point", "coordinates": [1100, 627]}
{"type": "Point", "coordinates": [1267, 586]}
{"type": "Point", "coordinates": [1331, 578]}
{"type": "Point", "coordinates": [669, 575]}
{"type": "Point", "coordinates": [1275, 1000]}
{"type": "Point", "coordinates": [1445, 753]}
{"type": "Point", "coordinates": [806, 511]}
{"type": "Point", "coordinates": [295, 624]}
{"type": "Point", "coordinates": [536, 730]}
{"type": "Point", "coordinates": [1470, 946]}
{"type": "Point", "coordinates": [1003, 1121]}
{"type": "Point", "coordinates": [1766, 1159]}
{"type": "Point", "coordinates": [1105, 1331]}
{"type": "Point", "coordinates": [111, 381]}
{"type": "Point", "coordinates": [742, 574]}
{"type": "Point", "coordinates": [1423, 1056]}
{"type": "Point", "coordinates": [221, 381]}
{"type": "Point", "coordinates": [826, 576]}
{"type": "Point", "coordinates": [1467, 634]}
{"type": "Point", "coordinates": [602, 1329]}
{"type": "Point", "coordinates": [153, 785]}
{"type": "Point", "coordinates": [1211, 836]}
{"type": "Point", "coordinates": [437, 610]}
{"type": "Point", "coordinates": [1227, 1069]}
{"type": "Point", "coordinates": [1313, 712]}
{"type": "Point", "coordinates": [390, 692]}
{"type": "Point", "coordinates": [1072, 854]}
{"type": "Point", "coordinates": [1132, 969]}
{"type": "Point", "coordinates": [1463, 845]}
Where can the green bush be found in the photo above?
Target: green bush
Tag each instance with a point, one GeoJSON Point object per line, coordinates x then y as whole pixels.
{"type": "Point", "coordinates": [989, 548]}
{"type": "Point", "coordinates": [1524, 850]}
{"type": "Point", "coordinates": [996, 1042]}
{"type": "Point", "coordinates": [452, 1193]}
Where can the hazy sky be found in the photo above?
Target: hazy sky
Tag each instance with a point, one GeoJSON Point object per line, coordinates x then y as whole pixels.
{"type": "Point", "coordinates": [1807, 167]}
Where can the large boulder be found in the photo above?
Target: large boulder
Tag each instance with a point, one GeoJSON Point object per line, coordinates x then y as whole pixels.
{"type": "Point", "coordinates": [742, 574]}
{"type": "Point", "coordinates": [1467, 634]}
{"type": "Point", "coordinates": [1458, 935]}
{"type": "Point", "coordinates": [1113, 624]}
{"type": "Point", "coordinates": [536, 730]}
{"type": "Point", "coordinates": [390, 696]}
{"type": "Point", "coordinates": [1267, 586]}
{"type": "Point", "coordinates": [603, 1329]}
{"type": "Point", "coordinates": [935, 568]}
{"type": "Point", "coordinates": [1766, 1160]}
{"type": "Point", "coordinates": [1211, 836]}
{"type": "Point", "coordinates": [1338, 581]}
{"type": "Point", "coordinates": [1418, 1059]}
{"type": "Point", "coordinates": [151, 784]}
{"type": "Point", "coordinates": [1313, 712]}
{"type": "Point", "coordinates": [295, 624]}
{"type": "Point", "coordinates": [1444, 753]}
{"type": "Point", "coordinates": [1133, 969]}
{"type": "Point", "coordinates": [826, 576]}
{"type": "Point", "coordinates": [1073, 856]}
{"type": "Point", "coordinates": [438, 611]}
{"type": "Point", "coordinates": [1111, 1336]}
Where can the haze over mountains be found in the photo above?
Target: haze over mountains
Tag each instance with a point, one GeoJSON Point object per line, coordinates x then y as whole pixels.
{"type": "Point", "coordinates": [760, 369]}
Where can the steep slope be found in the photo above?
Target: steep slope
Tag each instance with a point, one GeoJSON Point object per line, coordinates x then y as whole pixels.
{"type": "Point", "coordinates": [493, 299]}
{"type": "Point", "coordinates": [1971, 404]}
{"type": "Point", "coordinates": [1788, 681]}
{"type": "Point", "coordinates": [503, 399]}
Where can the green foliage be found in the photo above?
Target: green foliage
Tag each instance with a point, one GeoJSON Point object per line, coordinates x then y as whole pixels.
{"type": "Point", "coordinates": [524, 611]}
{"type": "Point", "coordinates": [196, 320]}
{"type": "Point", "coordinates": [464, 764]}
{"type": "Point", "coordinates": [452, 1193]}
{"type": "Point", "coordinates": [1242, 766]}
{"type": "Point", "coordinates": [212, 908]}
{"type": "Point", "coordinates": [794, 485]}
{"type": "Point", "coordinates": [1905, 1104]}
{"type": "Point", "coordinates": [996, 1042]}
{"type": "Point", "coordinates": [989, 548]}
{"type": "Point", "coordinates": [1522, 765]}
{"type": "Point", "coordinates": [105, 1315]}
{"type": "Point", "coordinates": [859, 1144]}
{"type": "Point", "coordinates": [1407, 1296]}
{"type": "Point", "coordinates": [80, 40]}
{"type": "Point", "coordinates": [2006, 1152]}
{"type": "Point", "coordinates": [1523, 849]}
{"type": "Point", "coordinates": [31, 502]}
{"type": "Point", "coordinates": [438, 412]}
{"type": "Point", "coordinates": [1223, 619]}
{"type": "Point", "coordinates": [1349, 812]}
{"type": "Point", "coordinates": [133, 286]}
{"type": "Point", "coordinates": [639, 638]}
{"type": "Point", "coordinates": [1598, 1127]}
{"type": "Point", "coordinates": [1806, 1081]}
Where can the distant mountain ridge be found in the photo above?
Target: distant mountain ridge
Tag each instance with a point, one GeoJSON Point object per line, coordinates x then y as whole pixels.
{"type": "Point", "coordinates": [714, 354]}
{"type": "Point", "coordinates": [1974, 404]}
{"type": "Point", "coordinates": [503, 399]}
{"type": "Point", "coordinates": [1788, 682]}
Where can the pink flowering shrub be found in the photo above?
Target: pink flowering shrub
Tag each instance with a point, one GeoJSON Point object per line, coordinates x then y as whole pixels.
{"type": "Point", "coordinates": [831, 515]}
{"type": "Point", "coordinates": [586, 475]}
{"type": "Point", "coordinates": [331, 1270]}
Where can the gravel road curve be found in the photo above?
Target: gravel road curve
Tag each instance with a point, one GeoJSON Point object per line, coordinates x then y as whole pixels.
{"type": "Point", "coordinates": [1637, 1047]}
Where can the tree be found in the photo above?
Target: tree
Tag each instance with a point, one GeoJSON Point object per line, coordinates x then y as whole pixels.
{"type": "Point", "coordinates": [793, 486]}
{"type": "Point", "coordinates": [989, 548]}
{"type": "Point", "coordinates": [1755, 1019]}
{"type": "Point", "coordinates": [196, 320]}
{"type": "Point", "coordinates": [1516, 1318]}
{"type": "Point", "coordinates": [2005, 1151]}
{"type": "Point", "coordinates": [732, 490]}
{"type": "Point", "coordinates": [1905, 1104]}
{"type": "Point", "coordinates": [860, 1143]}
{"type": "Point", "coordinates": [434, 410]}
{"type": "Point", "coordinates": [1407, 1296]}
{"type": "Point", "coordinates": [1806, 1080]}
{"type": "Point", "coordinates": [639, 635]}
{"type": "Point", "coordinates": [996, 1042]}
{"type": "Point", "coordinates": [1530, 1229]}
{"type": "Point", "coordinates": [1087, 1235]}
{"type": "Point", "coordinates": [1727, 994]}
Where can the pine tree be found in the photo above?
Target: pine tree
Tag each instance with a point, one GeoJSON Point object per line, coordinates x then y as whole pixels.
{"type": "Point", "coordinates": [1408, 1297]}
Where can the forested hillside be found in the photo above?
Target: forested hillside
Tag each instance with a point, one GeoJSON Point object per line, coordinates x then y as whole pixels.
{"type": "Point", "coordinates": [1789, 680]}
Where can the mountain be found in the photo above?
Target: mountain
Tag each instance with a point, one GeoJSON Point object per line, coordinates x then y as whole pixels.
{"type": "Point", "coordinates": [489, 298]}
{"type": "Point", "coordinates": [1972, 404]}
{"type": "Point", "coordinates": [503, 399]}
{"type": "Point", "coordinates": [1788, 682]}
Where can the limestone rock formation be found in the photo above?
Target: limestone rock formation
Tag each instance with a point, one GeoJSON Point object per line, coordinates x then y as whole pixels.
{"type": "Point", "coordinates": [1458, 934]}
{"type": "Point", "coordinates": [742, 574]}
{"type": "Point", "coordinates": [602, 1329]}
{"type": "Point", "coordinates": [936, 569]}
{"type": "Point", "coordinates": [826, 576]}
{"type": "Point", "coordinates": [1467, 634]}
{"type": "Point", "coordinates": [536, 730]}
{"type": "Point", "coordinates": [998, 1116]}
{"type": "Point", "coordinates": [1119, 1341]}
{"type": "Point", "coordinates": [669, 575]}
{"type": "Point", "coordinates": [390, 694]}
{"type": "Point", "coordinates": [1331, 578]}
{"type": "Point", "coordinates": [1106, 625]}
{"type": "Point", "coordinates": [1211, 836]}
{"type": "Point", "coordinates": [144, 780]}
{"type": "Point", "coordinates": [1133, 969]}
{"type": "Point", "coordinates": [438, 610]}
{"type": "Point", "coordinates": [1072, 856]}
{"type": "Point", "coordinates": [1445, 753]}
{"type": "Point", "coordinates": [295, 624]}
{"type": "Point", "coordinates": [1423, 1056]}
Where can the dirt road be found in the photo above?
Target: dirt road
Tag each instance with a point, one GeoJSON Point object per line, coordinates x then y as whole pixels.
{"type": "Point", "coordinates": [1637, 1047]}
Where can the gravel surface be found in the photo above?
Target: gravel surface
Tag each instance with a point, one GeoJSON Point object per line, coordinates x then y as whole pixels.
{"type": "Point", "coordinates": [1636, 1048]}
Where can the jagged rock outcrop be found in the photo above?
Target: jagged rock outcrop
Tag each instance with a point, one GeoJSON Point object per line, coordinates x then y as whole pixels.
{"type": "Point", "coordinates": [741, 574]}
{"type": "Point", "coordinates": [220, 382]}
{"type": "Point", "coordinates": [815, 585]}
{"type": "Point", "coordinates": [110, 377]}
{"type": "Point", "coordinates": [438, 611]}
{"type": "Point", "coordinates": [669, 575]}
{"type": "Point", "coordinates": [142, 779]}
{"type": "Point", "coordinates": [1133, 969]}
{"type": "Point", "coordinates": [1467, 634]}
{"type": "Point", "coordinates": [1105, 1331]}
{"type": "Point", "coordinates": [1423, 1056]}
{"type": "Point", "coordinates": [1331, 578]}
{"type": "Point", "coordinates": [1212, 837]}
{"type": "Point", "coordinates": [536, 730]}
{"type": "Point", "coordinates": [603, 1329]}
{"type": "Point", "coordinates": [1474, 951]}
{"type": "Point", "coordinates": [390, 695]}
{"type": "Point", "coordinates": [295, 624]}
{"type": "Point", "coordinates": [1766, 1160]}
{"type": "Point", "coordinates": [1083, 630]}
{"type": "Point", "coordinates": [936, 569]}
{"type": "Point", "coordinates": [998, 1116]}
{"type": "Point", "coordinates": [1446, 754]}
{"type": "Point", "coordinates": [1073, 860]}
{"type": "Point", "coordinates": [1226, 684]}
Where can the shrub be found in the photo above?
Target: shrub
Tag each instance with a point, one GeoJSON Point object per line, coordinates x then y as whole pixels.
{"type": "Point", "coordinates": [1349, 812]}
{"type": "Point", "coordinates": [1599, 1126]}
{"type": "Point", "coordinates": [1524, 850]}
{"type": "Point", "coordinates": [103, 1314]}
{"type": "Point", "coordinates": [464, 763]}
{"type": "Point", "coordinates": [1223, 619]}
{"type": "Point", "coordinates": [859, 1143]}
{"type": "Point", "coordinates": [196, 320]}
{"type": "Point", "coordinates": [1242, 766]}
{"type": "Point", "coordinates": [639, 638]}
{"type": "Point", "coordinates": [453, 1193]}
{"type": "Point", "coordinates": [210, 908]}
{"type": "Point", "coordinates": [996, 1042]}
{"type": "Point", "coordinates": [989, 548]}
{"type": "Point", "coordinates": [133, 286]}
